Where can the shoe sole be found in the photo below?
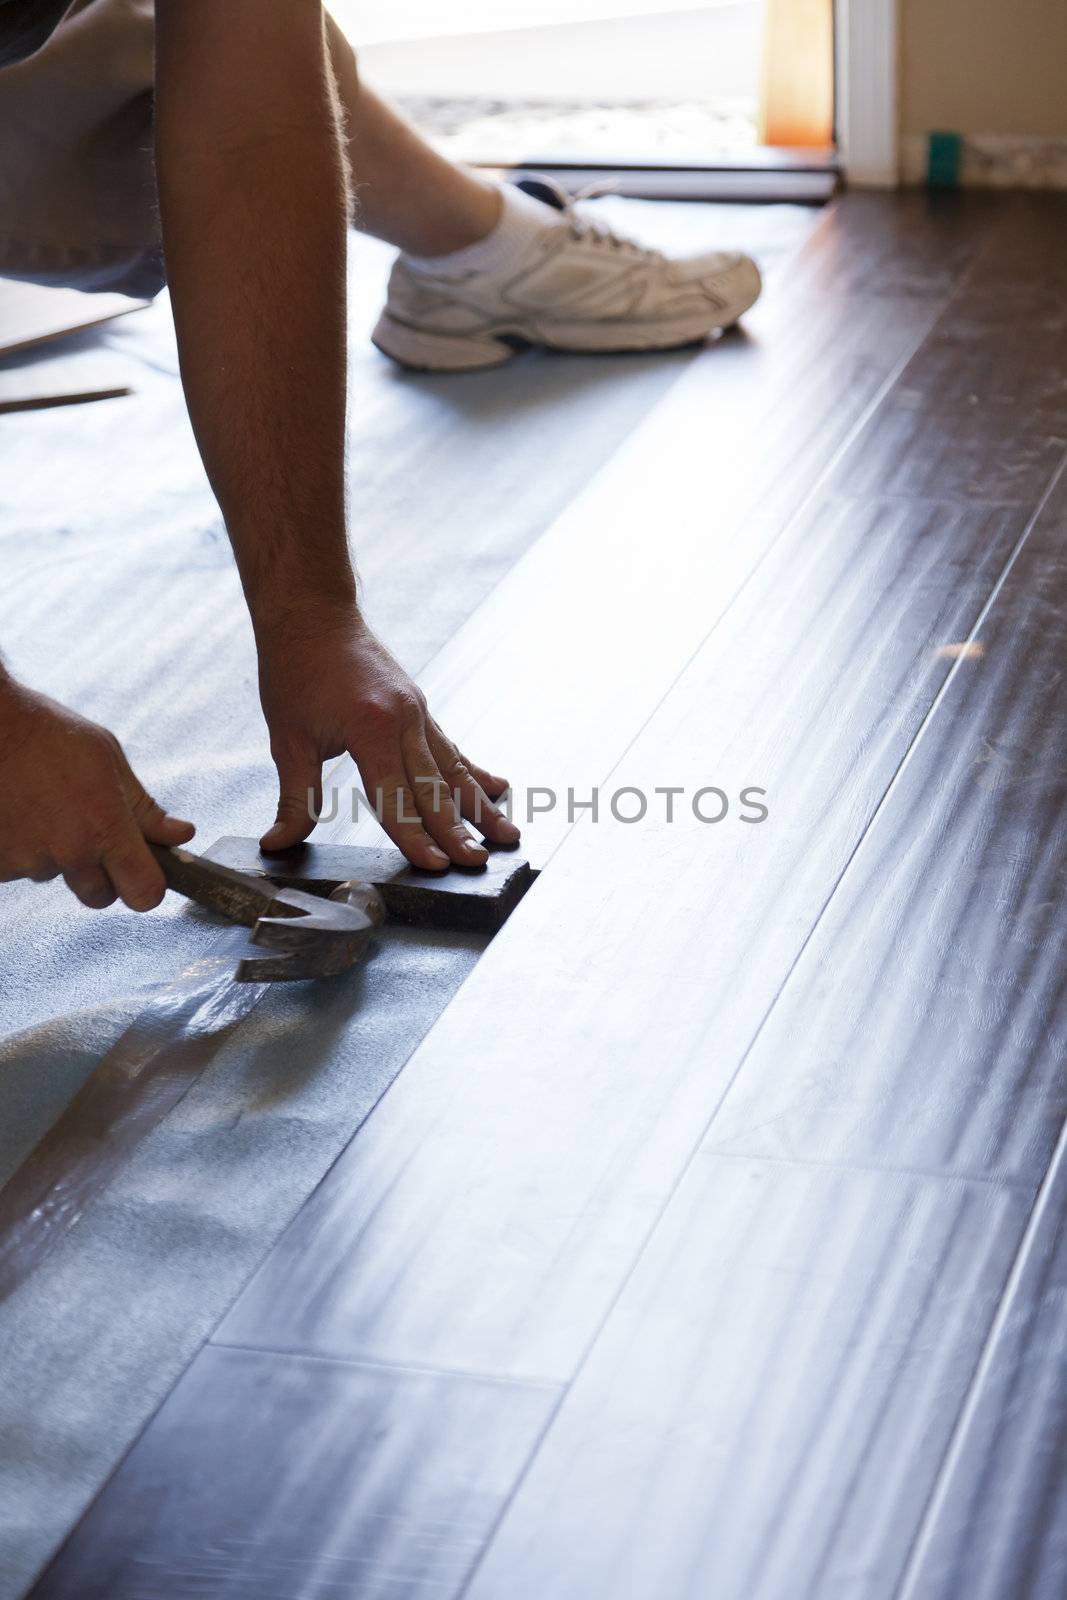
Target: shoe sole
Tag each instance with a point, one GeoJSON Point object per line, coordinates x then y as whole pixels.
{"type": "Point", "coordinates": [421, 350]}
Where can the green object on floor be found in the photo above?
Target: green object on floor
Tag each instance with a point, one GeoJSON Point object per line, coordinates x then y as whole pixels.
{"type": "Point", "coordinates": [944, 154]}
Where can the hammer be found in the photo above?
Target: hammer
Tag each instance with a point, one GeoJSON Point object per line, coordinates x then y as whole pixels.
{"type": "Point", "coordinates": [318, 905]}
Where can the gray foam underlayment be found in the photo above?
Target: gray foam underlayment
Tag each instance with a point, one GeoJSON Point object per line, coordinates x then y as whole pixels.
{"type": "Point", "coordinates": [120, 598]}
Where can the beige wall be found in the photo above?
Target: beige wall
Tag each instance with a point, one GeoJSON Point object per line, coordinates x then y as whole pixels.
{"type": "Point", "coordinates": [984, 66]}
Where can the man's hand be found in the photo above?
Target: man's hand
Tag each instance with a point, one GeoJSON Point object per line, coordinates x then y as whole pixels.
{"type": "Point", "coordinates": [329, 686]}
{"type": "Point", "coordinates": [254, 204]}
{"type": "Point", "coordinates": [70, 804]}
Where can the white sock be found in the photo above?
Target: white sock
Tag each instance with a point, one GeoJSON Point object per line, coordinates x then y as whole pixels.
{"type": "Point", "coordinates": [522, 218]}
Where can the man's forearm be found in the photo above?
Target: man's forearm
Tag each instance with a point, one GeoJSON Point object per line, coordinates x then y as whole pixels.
{"type": "Point", "coordinates": [253, 196]}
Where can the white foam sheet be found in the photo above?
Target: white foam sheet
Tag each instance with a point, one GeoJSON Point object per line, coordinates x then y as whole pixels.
{"type": "Point", "coordinates": [119, 596]}
{"type": "Point", "coordinates": [95, 1337]}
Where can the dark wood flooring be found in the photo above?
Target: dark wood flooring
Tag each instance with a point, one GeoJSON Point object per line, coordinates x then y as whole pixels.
{"type": "Point", "coordinates": [711, 1245]}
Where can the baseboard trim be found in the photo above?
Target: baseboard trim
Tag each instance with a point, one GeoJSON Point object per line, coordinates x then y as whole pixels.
{"type": "Point", "coordinates": [995, 161]}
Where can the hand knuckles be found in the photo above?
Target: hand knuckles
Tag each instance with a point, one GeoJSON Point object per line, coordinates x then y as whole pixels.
{"type": "Point", "coordinates": [461, 775]}
{"type": "Point", "coordinates": [384, 711]}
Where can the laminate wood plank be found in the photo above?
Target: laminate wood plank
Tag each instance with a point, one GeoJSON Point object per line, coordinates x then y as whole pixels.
{"type": "Point", "coordinates": [1026, 250]}
{"type": "Point", "coordinates": [767, 1408]}
{"type": "Point", "coordinates": [923, 1028]}
{"type": "Point", "coordinates": [958, 366]}
{"type": "Point", "coordinates": [992, 373]}
{"type": "Point", "coordinates": [1002, 340]}
{"type": "Point", "coordinates": [988, 456]}
{"type": "Point", "coordinates": [607, 607]}
{"type": "Point", "coordinates": [915, 244]}
{"type": "Point", "coordinates": [997, 1527]}
{"type": "Point", "coordinates": [544, 1166]}
{"type": "Point", "coordinates": [926, 1025]}
{"type": "Point", "coordinates": [519, 1178]}
{"type": "Point", "coordinates": [264, 1478]}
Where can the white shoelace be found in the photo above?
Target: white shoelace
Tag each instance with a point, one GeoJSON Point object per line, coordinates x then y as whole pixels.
{"type": "Point", "coordinates": [590, 230]}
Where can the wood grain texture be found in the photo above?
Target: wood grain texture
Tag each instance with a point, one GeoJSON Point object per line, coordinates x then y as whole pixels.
{"type": "Point", "coordinates": [926, 1025]}
{"type": "Point", "coordinates": [769, 1358]}
{"type": "Point", "coordinates": [634, 976]}
{"type": "Point", "coordinates": [521, 1178]}
{"type": "Point", "coordinates": [265, 1478]}
{"type": "Point", "coordinates": [123, 550]}
{"type": "Point", "coordinates": [767, 1407]}
{"type": "Point", "coordinates": [921, 1033]}
{"type": "Point", "coordinates": [997, 1528]}
{"type": "Point", "coordinates": [585, 635]}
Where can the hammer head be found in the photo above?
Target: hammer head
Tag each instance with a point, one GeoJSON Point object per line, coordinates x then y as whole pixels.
{"type": "Point", "coordinates": [312, 936]}
{"type": "Point", "coordinates": [475, 900]}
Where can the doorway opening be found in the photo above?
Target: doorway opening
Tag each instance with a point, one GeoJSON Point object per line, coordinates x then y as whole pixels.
{"type": "Point", "coordinates": [732, 98]}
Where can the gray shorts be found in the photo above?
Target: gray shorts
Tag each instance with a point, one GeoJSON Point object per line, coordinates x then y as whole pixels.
{"type": "Point", "coordinates": [77, 180]}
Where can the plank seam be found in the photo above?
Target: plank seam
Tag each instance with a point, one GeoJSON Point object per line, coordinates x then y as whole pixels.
{"type": "Point", "coordinates": [990, 1180]}
{"type": "Point", "coordinates": [799, 511]}
{"type": "Point", "coordinates": [906, 1588]}
{"type": "Point", "coordinates": [942, 306]}
{"type": "Point", "coordinates": [377, 1364]}
{"type": "Point", "coordinates": [696, 1149]}
{"type": "Point", "coordinates": [344, 763]}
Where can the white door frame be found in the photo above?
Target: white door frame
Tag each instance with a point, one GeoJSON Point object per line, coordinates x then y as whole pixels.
{"type": "Point", "coordinates": [866, 44]}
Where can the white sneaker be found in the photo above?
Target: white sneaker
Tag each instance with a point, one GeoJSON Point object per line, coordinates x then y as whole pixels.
{"type": "Point", "coordinates": [575, 285]}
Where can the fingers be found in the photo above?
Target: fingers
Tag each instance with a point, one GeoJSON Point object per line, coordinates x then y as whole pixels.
{"type": "Point", "coordinates": [397, 810]}
{"type": "Point", "coordinates": [77, 809]}
{"type": "Point", "coordinates": [117, 863]}
{"type": "Point", "coordinates": [472, 786]}
{"type": "Point", "coordinates": [126, 869]}
{"type": "Point", "coordinates": [129, 864]}
{"type": "Point", "coordinates": [155, 823]}
{"type": "Point", "coordinates": [92, 886]}
{"type": "Point", "coordinates": [423, 797]}
{"type": "Point", "coordinates": [41, 870]}
{"type": "Point", "coordinates": [493, 787]}
{"type": "Point", "coordinates": [168, 830]}
{"type": "Point", "coordinates": [299, 775]}
{"type": "Point", "coordinates": [436, 807]}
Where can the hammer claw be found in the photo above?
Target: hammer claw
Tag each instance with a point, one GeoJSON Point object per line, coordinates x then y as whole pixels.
{"type": "Point", "coordinates": [313, 937]}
